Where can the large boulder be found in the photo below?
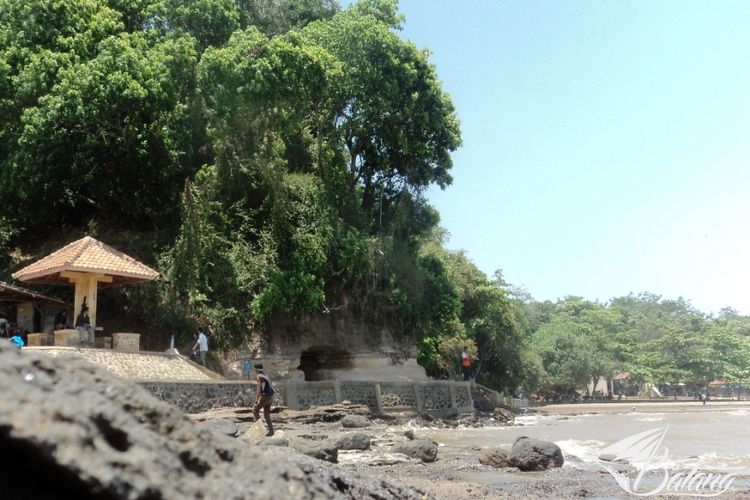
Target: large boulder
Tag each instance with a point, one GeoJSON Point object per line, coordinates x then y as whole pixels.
{"type": "Point", "coordinates": [69, 429]}
{"type": "Point", "coordinates": [529, 454]}
{"type": "Point", "coordinates": [422, 449]}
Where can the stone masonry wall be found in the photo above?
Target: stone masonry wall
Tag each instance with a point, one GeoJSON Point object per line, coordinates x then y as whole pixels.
{"type": "Point", "coordinates": [438, 398]}
{"type": "Point", "coordinates": [196, 397]}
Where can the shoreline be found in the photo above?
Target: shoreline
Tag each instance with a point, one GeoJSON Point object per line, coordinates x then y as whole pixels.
{"type": "Point", "coordinates": [457, 473]}
{"type": "Point", "coordinates": [656, 406]}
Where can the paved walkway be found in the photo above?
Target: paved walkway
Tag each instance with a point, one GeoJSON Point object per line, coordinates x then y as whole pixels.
{"type": "Point", "coordinates": [136, 365]}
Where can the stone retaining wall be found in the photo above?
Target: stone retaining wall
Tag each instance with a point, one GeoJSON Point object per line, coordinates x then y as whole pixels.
{"type": "Point", "coordinates": [196, 397]}
{"type": "Point", "coordinates": [437, 398]}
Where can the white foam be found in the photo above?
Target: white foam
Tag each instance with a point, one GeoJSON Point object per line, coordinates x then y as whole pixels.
{"type": "Point", "coordinates": [526, 420]}
{"type": "Point", "coordinates": [587, 451]}
{"type": "Point", "coordinates": [651, 418]}
{"type": "Point", "coordinates": [713, 460]}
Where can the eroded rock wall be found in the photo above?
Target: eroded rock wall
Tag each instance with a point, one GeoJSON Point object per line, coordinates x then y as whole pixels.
{"type": "Point", "coordinates": [333, 346]}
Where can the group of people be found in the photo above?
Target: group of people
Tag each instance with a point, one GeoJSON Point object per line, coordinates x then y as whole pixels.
{"type": "Point", "coordinates": [6, 330]}
{"type": "Point", "coordinates": [86, 330]}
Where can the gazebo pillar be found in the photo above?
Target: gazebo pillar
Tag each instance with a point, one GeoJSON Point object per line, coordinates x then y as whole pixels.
{"type": "Point", "coordinates": [86, 285]}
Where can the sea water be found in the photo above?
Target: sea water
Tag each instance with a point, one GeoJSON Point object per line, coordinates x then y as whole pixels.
{"type": "Point", "coordinates": [715, 441]}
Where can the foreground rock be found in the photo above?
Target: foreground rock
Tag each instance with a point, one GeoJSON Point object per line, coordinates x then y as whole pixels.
{"type": "Point", "coordinates": [422, 449]}
{"type": "Point", "coordinates": [529, 454]}
{"type": "Point", "coordinates": [69, 429]}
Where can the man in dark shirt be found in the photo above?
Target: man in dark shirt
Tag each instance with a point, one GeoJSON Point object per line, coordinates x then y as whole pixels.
{"type": "Point", "coordinates": [83, 325]}
{"type": "Point", "coordinates": [61, 320]}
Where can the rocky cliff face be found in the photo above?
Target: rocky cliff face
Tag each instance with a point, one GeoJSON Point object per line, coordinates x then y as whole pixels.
{"type": "Point", "coordinates": [333, 345]}
{"type": "Point", "coordinates": [69, 429]}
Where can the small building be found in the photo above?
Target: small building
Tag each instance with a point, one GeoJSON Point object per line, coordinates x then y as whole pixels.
{"type": "Point", "coordinates": [29, 310]}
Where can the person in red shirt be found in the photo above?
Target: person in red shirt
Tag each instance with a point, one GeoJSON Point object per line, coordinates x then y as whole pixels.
{"type": "Point", "coordinates": [466, 362]}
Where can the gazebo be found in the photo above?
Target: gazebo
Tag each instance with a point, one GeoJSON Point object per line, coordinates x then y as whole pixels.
{"type": "Point", "coordinates": [86, 263]}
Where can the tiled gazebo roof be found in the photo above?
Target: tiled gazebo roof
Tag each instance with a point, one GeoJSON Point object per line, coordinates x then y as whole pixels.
{"type": "Point", "coordinates": [12, 293]}
{"type": "Point", "coordinates": [86, 255]}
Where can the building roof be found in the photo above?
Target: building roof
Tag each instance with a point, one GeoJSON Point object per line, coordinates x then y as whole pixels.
{"type": "Point", "coordinates": [86, 255]}
{"type": "Point", "coordinates": [622, 376]}
{"type": "Point", "coordinates": [10, 293]}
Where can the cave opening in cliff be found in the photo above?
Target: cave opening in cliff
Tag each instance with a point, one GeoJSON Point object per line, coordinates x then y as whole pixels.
{"type": "Point", "coordinates": [320, 362]}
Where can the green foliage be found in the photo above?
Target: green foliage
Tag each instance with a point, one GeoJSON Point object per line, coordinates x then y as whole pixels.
{"type": "Point", "coordinates": [479, 315]}
{"type": "Point", "coordinates": [565, 355]}
{"type": "Point", "coordinates": [655, 340]}
{"type": "Point", "coordinates": [396, 124]}
{"type": "Point", "coordinates": [303, 231]}
{"type": "Point", "coordinates": [271, 155]}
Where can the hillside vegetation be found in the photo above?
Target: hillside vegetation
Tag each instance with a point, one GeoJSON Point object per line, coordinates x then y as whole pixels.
{"type": "Point", "coordinates": [270, 158]}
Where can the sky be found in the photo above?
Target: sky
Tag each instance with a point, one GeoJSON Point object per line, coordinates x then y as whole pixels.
{"type": "Point", "coordinates": [605, 144]}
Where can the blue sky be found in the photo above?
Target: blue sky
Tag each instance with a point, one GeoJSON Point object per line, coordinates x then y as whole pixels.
{"type": "Point", "coordinates": [605, 144]}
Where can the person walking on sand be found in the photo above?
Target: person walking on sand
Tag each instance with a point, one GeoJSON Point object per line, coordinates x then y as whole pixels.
{"type": "Point", "coordinates": [466, 363]}
{"type": "Point", "coordinates": [201, 345]}
{"type": "Point", "coordinates": [263, 397]}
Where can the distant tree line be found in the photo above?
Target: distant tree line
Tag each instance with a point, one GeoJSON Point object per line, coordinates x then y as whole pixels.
{"type": "Point", "coordinates": [653, 339]}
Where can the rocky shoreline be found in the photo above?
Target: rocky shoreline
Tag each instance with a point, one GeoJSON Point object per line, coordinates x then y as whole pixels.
{"type": "Point", "coordinates": [393, 448]}
{"type": "Point", "coordinates": [69, 429]}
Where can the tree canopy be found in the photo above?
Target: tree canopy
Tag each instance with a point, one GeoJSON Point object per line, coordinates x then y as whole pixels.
{"type": "Point", "coordinates": [272, 157]}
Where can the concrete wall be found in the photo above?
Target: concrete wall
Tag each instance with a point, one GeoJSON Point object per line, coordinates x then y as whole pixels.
{"type": "Point", "coordinates": [437, 398]}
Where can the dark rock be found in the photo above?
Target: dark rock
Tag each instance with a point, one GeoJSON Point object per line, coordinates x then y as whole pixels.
{"type": "Point", "coordinates": [220, 425]}
{"type": "Point", "coordinates": [313, 437]}
{"type": "Point", "coordinates": [321, 450]}
{"type": "Point", "coordinates": [353, 441]}
{"type": "Point", "coordinates": [422, 449]}
{"type": "Point", "coordinates": [355, 421]}
{"type": "Point", "coordinates": [495, 457]}
{"type": "Point", "coordinates": [69, 429]}
{"type": "Point", "coordinates": [327, 414]}
{"type": "Point", "coordinates": [529, 454]}
{"type": "Point", "coordinates": [503, 415]}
